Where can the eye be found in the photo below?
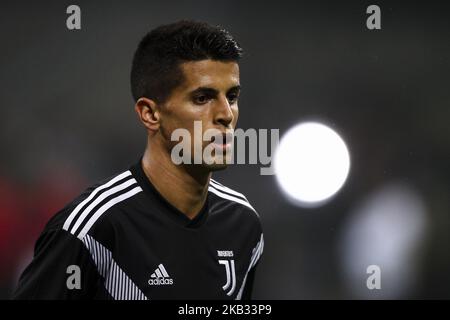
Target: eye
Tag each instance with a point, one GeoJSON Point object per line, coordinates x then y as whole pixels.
{"type": "Point", "coordinates": [201, 99]}
{"type": "Point", "coordinates": [233, 97]}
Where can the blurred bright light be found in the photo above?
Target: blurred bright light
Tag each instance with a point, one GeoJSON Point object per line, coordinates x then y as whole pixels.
{"type": "Point", "coordinates": [386, 229]}
{"type": "Point", "coordinates": [311, 163]}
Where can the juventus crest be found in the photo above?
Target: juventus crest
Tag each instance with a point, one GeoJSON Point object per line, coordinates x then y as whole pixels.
{"type": "Point", "coordinates": [230, 271]}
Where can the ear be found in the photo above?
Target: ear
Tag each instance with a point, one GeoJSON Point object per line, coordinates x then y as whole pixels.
{"type": "Point", "coordinates": [149, 113]}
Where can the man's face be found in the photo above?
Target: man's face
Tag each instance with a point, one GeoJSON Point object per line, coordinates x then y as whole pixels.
{"type": "Point", "coordinates": [209, 94]}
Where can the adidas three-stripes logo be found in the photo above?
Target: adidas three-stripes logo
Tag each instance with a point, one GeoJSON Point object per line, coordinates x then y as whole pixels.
{"type": "Point", "coordinates": [160, 277]}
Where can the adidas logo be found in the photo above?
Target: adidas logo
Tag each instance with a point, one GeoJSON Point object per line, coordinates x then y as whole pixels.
{"type": "Point", "coordinates": [160, 277]}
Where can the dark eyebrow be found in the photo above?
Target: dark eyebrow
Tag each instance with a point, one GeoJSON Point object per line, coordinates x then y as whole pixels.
{"type": "Point", "coordinates": [205, 90]}
{"type": "Point", "coordinates": [212, 91]}
{"type": "Point", "coordinates": [235, 88]}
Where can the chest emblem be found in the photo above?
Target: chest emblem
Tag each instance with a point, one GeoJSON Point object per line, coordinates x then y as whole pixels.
{"type": "Point", "coordinates": [226, 259]}
{"type": "Point", "coordinates": [160, 277]}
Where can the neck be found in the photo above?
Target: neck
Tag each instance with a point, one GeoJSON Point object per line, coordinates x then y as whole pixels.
{"type": "Point", "coordinates": [185, 187]}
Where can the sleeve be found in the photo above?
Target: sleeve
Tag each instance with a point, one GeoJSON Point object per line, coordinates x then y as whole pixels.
{"type": "Point", "coordinates": [61, 269]}
{"type": "Point", "coordinates": [248, 289]}
{"type": "Point", "coordinates": [256, 256]}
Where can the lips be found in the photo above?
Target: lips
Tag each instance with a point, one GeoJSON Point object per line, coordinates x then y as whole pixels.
{"type": "Point", "coordinates": [225, 139]}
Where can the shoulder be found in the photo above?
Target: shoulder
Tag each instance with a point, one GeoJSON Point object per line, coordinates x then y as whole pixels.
{"type": "Point", "coordinates": [94, 204]}
{"type": "Point", "coordinates": [232, 202]}
{"type": "Point", "coordinates": [234, 199]}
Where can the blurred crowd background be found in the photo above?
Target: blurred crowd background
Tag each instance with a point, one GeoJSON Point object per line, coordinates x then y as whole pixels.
{"type": "Point", "coordinates": [67, 121]}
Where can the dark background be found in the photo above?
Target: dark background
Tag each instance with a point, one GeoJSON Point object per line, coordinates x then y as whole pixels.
{"type": "Point", "coordinates": [67, 121]}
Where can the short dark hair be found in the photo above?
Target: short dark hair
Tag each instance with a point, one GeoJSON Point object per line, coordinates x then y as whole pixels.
{"type": "Point", "coordinates": [156, 68]}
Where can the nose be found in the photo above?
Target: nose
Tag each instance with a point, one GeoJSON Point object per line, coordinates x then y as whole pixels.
{"type": "Point", "coordinates": [224, 114]}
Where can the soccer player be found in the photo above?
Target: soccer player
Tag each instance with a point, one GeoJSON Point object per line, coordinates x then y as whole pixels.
{"type": "Point", "coordinates": [160, 230]}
